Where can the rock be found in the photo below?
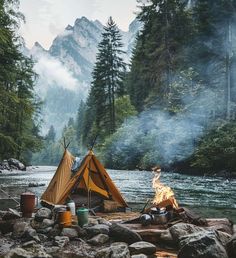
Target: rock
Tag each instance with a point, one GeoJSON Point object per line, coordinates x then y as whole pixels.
{"type": "Point", "coordinates": [97, 229]}
{"type": "Point", "coordinates": [6, 226]}
{"type": "Point", "coordinates": [92, 222]}
{"type": "Point", "coordinates": [2, 213]}
{"type": "Point", "coordinates": [35, 224]}
{"type": "Point", "coordinates": [182, 229]}
{"type": "Point", "coordinates": [11, 214]}
{"type": "Point", "coordinates": [47, 223]}
{"type": "Point", "coordinates": [16, 163]}
{"type": "Point", "coordinates": [31, 234]}
{"type": "Point", "coordinates": [122, 233]}
{"type": "Point", "coordinates": [81, 231]}
{"type": "Point", "coordinates": [231, 247]}
{"type": "Point", "coordinates": [142, 247]}
{"type": "Point", "coordinates": [5, 246]}
{"type": "Point", "coordinates": [18, 253]}
{"type": "Point", "coordinates": [29, 243]}
{"type": "Point", "coordinates": [98, 239]}
{"type": "Point", "coordinates": [43, 213]}
{"type": "Point", "coordinates": [44, 230]}
{"type": "Point", "coordinates": [201, 245]}
{"type": "Point", "coordinates": [19, 229]}
{"type": "Point", "coordinates": [42, 237]}
{"type": "Point", "coordinates": [223, 237]}
{"type": "Point", "coordinates": [224, 225]}
{"type": "Point", "coordinates": [139, 256]}
{"type": "Point", "coordinates": [56, 231]}
{"type": "Point", "coordinates": [116, 250]}
{"type": "Point", "coordinates": [61, 241]}
{"type": "Point", "coordinates": [52, 250]}
{"type": "Point", "coordinates": [69, 232]}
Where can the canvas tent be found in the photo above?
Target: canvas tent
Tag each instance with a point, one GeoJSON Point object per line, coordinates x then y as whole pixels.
{"type": "Point", "coordinates": [91, 177]}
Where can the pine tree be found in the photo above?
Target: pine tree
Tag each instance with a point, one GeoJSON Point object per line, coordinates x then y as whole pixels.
{"type": "Point", "coordinates": [107, 83]}
{"type": "Point", "coordinates": [19, 108]}
{"type": "Point", "coordinates": [213, 56]}
{"type": "Point", "coordinates": [160, 51]}
{"type": "Point", "coordinates": [51, 135]}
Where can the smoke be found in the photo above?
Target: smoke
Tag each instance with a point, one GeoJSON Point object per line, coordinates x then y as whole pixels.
{"type": "Point", "coordinates": [156, 137]}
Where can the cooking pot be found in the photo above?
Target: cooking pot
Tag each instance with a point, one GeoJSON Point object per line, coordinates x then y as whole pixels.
{"type": "Point", "coordinates": [161, 218]}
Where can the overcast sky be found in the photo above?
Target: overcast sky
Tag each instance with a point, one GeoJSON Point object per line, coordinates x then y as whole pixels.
{"type": "Point", "coordinates": [47, 18]}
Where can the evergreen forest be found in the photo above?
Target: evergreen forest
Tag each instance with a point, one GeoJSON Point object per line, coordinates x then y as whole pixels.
{"type": "Point", "coordinates": [19, 106]}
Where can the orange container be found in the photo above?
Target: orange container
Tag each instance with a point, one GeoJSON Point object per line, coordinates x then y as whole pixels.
{"type": "Point", "coordinates": [27, 204]}
{"type": "Point", "coordinates": [64, 218]}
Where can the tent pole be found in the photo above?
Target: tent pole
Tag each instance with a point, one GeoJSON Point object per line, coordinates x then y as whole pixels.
{"type": "Point", "coordinates": [88, 184]}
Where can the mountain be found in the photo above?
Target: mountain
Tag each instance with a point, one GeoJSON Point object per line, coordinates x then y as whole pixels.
{"type": "Point", "coordinates": [65, 69]}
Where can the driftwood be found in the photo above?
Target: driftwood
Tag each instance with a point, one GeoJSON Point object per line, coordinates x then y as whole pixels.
{"type": "Point", "coordinates": [153, 233]}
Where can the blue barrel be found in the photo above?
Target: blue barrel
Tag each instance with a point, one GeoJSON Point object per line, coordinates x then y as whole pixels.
{"type": "Point", "coordinates": [82, 216]}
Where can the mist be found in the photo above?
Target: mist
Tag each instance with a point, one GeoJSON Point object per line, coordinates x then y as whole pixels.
{"type": "Point", "coordinates": [59, 89]}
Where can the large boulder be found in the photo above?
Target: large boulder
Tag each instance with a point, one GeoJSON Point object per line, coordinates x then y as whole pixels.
{"type": "Point", "coordinates": [231, 247]}
{"type": "Point", "coordinates": [98, 229]}
{"type": "Point", "coordinates": [142, 247]}
{"type": "Point", "coordinates": [202, 244]}
{"type": "Point", "coordinates": [115, 250]}
{"type": "Point", "coordinates": [16, 163]}
{"type": "Point", "coordinates": [182, 229]}
{"type": "Point", "coordinates": [43, 213]}
{"type": "Point", "coordinates": [122, 233]}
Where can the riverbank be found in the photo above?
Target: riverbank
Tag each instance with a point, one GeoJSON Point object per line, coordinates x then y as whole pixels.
{"type": "Point", "coordinates": [210, 197]}
{"type": "Point", "coordinates": [42, 236]}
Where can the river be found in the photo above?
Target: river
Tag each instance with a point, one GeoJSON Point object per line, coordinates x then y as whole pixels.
{"type": "Point", "coordinates": [210, 197]}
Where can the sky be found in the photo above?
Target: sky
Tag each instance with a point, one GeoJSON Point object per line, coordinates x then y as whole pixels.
{"type": "Point", "coordinates": [45, 19]}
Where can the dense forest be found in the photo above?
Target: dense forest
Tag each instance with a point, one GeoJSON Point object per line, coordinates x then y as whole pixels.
{"type": "Point", "coordinates": [19, 106]}
{"type": "Point", "coordinates": [173, 105]}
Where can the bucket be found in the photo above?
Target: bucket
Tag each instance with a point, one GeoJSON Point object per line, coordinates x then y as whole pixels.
{"type": "Point", "coordinates": [27, 204]}
{"type": "Point", "coordinates": [64, 218]}
{"type": "Point", "coordinates": [82, 215]}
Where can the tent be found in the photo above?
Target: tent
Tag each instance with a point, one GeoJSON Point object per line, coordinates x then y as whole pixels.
{"type": "Point", "coordinates": [91, 177]}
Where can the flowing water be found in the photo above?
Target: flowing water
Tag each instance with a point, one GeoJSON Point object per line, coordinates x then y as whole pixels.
{"type": "Point", "coordinates": [211, 197]}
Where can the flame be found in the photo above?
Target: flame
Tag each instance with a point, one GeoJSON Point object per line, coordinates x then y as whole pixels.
{"type": "Point", "coordinates": [164, 195]}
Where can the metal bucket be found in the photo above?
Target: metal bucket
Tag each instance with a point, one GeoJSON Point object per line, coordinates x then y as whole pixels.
{"type": "Point", "coordinates": [27, 204]}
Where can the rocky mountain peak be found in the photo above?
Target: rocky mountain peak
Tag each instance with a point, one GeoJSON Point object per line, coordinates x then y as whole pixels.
{"type": "Point", "coordinates": [69, 27]}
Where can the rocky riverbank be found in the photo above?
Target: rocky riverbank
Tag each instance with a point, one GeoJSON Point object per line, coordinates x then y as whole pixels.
{"type": "Point", "coordinates": [12, 164]}
{"type": "Point", "coordinates": [41, 236]}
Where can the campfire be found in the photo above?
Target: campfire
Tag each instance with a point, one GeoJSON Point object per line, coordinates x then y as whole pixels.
{"type": "Point", "coordinates": [164, 195]}
{"type": "Point", "coordinates": [164, 208]}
